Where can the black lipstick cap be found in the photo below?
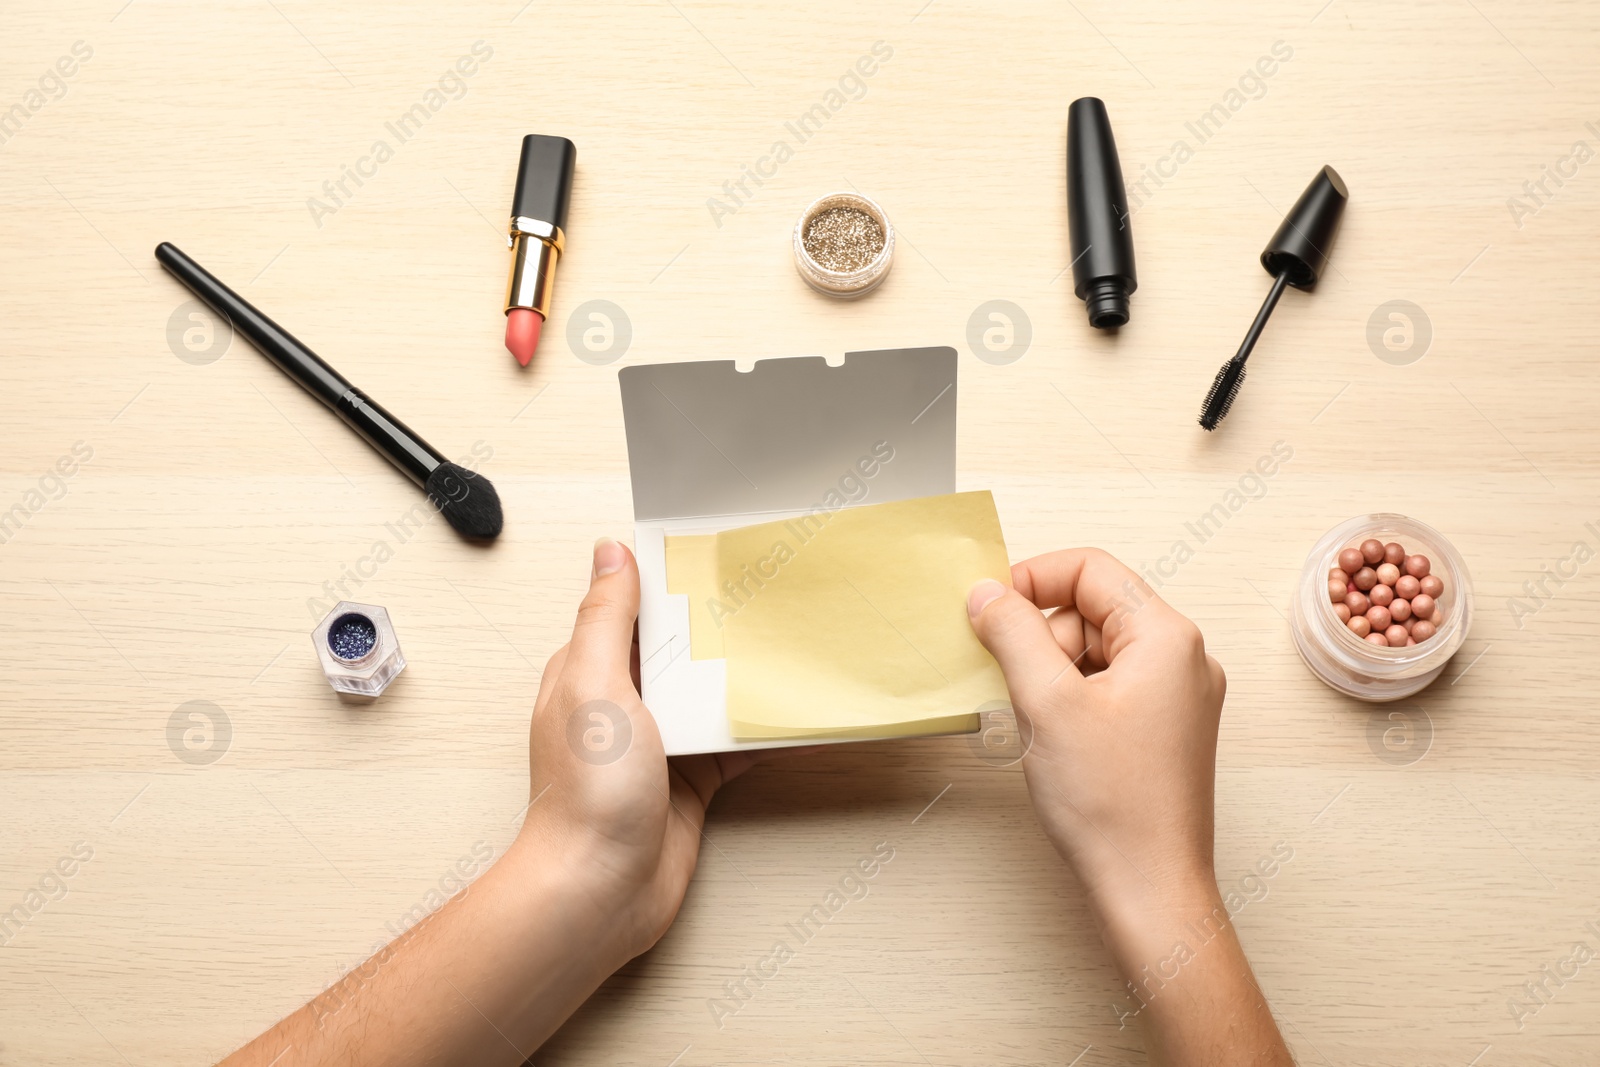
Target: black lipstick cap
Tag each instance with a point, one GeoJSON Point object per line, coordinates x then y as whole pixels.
{"type": "Point", "coordinates": [544, 179]}
{"type": "Point", "coordinates": [1097, 216]}
{"type": "Point", "coordinates": [1301, 245]}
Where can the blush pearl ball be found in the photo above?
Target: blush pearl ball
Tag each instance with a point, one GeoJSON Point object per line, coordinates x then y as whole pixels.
{"type": "Point", "coordinates": [1385, 595]}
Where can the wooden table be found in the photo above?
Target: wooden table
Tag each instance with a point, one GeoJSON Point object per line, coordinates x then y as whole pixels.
{"type": "Point", "coordinates": [182, 560]}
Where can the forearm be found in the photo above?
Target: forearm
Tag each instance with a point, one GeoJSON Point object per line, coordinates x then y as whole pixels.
{"type": "Point", "coordinates": [1187, 976]}
{"type": "Point", "coordinates": [484, 980]}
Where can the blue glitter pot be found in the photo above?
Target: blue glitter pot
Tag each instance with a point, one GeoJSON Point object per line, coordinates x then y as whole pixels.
{"type": "Point", "coordinates": [351, 637]}
{"type": "Point", "coordinates": [358, 650]}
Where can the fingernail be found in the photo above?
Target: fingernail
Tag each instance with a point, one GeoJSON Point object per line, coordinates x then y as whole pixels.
{"type": "Point", "coordinates": [982, 594]}
{"type": "Point", "coordinates": [609, 557]}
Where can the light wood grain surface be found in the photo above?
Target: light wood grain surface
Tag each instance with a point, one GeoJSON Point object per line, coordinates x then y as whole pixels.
{"type": "Point", "coordinates": [177, 563]}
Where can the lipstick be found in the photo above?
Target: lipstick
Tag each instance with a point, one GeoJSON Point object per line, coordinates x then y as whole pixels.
{"type": "Point", "coordinates": [537, 237]}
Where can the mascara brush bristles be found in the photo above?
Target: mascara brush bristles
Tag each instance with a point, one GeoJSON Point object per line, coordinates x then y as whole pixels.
{"type": "Point", "coordinates": [1223, 391]}
{"type": "Point", "coordinates": [1231, 376]}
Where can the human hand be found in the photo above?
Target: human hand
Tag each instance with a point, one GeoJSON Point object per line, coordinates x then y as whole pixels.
{"type": "Point", "coordinates": [1123, 704]}
{"type": "Point", "coordinates": [625, 819]}
{"type": "Point", "coordinates": [1120, 771]}
{"type": "Point", "coordinates": [593, 879]}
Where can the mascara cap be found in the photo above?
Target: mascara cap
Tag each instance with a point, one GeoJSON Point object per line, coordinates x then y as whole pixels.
{"type": "Point", "coordinates": [544, 179]}
{"type": "Point", "coordinates": [1097, 216]}
{"type": "Point", "coordinates": [1301, 245]}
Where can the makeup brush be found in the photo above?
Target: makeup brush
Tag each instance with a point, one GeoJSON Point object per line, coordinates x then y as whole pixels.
{"type": "Point", "coordinates": [467, 500]}
{"type": "Point", "coordinates": [1295, 256]}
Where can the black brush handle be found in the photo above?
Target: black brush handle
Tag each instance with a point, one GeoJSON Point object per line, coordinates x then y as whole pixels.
{"type": "Point", "coordinates": [410, 453]}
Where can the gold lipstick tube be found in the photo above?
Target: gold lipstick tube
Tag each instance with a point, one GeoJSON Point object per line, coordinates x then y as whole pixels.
{"type": "Point", "coordinates": [536, 247]}
{"type": "Point", "coordinates": [538, 220]}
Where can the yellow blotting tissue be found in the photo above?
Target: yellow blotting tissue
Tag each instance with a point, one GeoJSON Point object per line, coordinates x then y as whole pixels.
{"type": "Point", "coordinates": [850, 622]}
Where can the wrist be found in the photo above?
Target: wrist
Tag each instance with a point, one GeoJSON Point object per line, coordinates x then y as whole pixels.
{"type": "Point", "coordinates": [563, 884]}
{"type": "Point", "coordinates": [628, 897]}
{"type": "Point", "coordinates": [1144, 920]}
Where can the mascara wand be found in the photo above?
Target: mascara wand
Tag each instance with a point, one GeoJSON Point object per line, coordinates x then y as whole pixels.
{"type": "Point", "coordinates": [1231, 376]}
{"type": "Point", "coordinates": [1295, 256]}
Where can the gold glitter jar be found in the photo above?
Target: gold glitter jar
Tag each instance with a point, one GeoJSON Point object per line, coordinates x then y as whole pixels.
{"type": "Point", "coordinates": [843, 245]}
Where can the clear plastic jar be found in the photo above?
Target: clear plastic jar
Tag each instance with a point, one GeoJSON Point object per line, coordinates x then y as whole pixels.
{"type": "Point", "coordinates": [1359, 668]}
{"type": "Point", "coordinates": [846, 285]}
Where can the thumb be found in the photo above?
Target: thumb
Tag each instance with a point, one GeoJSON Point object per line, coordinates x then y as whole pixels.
{"type": "Point", "coordinates": [602, 638]}
{"type": "Point", "coordinates": [1018, 635]}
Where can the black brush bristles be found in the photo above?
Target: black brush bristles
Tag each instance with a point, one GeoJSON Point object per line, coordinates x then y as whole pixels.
{"type": "Point", "coordinates": [1223, 390]}
{"type": "Point", "coordinates": [1231, 376]}
{"type": "Point", "coordinates": [468, 501]}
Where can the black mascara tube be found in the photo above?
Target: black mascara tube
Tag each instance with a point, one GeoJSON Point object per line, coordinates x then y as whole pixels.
{"type": "Point", "coordinates": [1103, 275]}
